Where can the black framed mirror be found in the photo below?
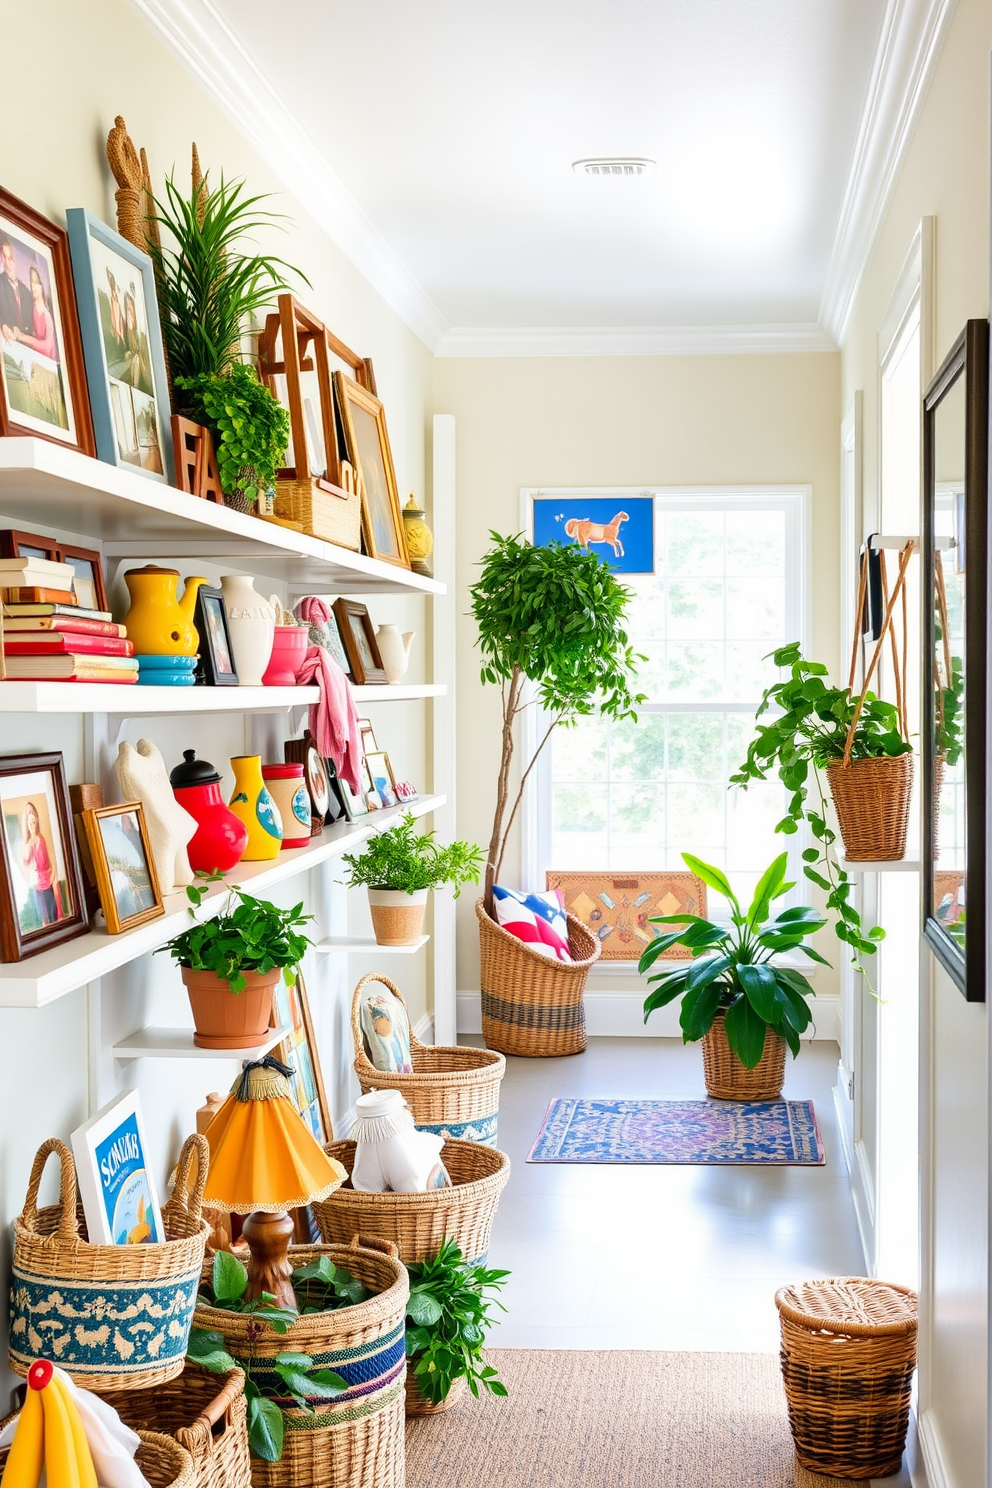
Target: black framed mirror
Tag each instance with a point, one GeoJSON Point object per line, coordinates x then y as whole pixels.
{"type": "Point", "coordinates": [955, 569]}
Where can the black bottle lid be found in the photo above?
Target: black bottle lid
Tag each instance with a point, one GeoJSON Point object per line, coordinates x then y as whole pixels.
{"type": "Point", "coordinates": [192, 772]}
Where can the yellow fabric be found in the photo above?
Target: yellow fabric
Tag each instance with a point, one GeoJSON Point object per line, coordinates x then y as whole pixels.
{"type": "Point", "coordinates": [262, 1156]}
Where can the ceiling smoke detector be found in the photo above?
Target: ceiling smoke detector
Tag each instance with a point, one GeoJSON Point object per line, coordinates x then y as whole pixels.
{"type": "Point", "coordinates": [614, 165]}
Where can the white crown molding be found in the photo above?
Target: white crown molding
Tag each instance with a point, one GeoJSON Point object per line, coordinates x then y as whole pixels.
{"type": "Point", "coordinates": [909, 44]}
{"type": "Point", "coordinates": [194, 32]}
{"type": "Point", "coordinates": [626, 341]}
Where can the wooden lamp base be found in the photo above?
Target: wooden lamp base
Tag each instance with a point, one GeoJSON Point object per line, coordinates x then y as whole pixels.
{"type": "Point", "coordinates": [269, 1236]}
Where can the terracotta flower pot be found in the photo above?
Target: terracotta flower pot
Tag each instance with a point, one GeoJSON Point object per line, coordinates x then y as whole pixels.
{"type": "Point", "coordinates": [728, 1079]}
{"type": "Point", "coordinates": [226, 1019]}
{"type": "Point", "coordinates": [397, 917]}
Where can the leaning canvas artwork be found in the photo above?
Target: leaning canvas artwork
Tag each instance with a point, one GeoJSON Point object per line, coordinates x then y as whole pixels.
{"type": "Point", "coordinates": [617, 907]}
{"type": "Point", "coordinates": [619, 529]}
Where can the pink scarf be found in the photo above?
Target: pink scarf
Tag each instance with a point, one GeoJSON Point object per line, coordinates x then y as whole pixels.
{"type": "Point", "coordinates": [334, 718]}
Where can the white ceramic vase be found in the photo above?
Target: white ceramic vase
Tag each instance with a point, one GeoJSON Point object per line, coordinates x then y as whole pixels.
{"type": "Point", "coordinates": [252, 623]}
{"type": "Point", "coordinates": [394, 650]}
{"type": "Point", "coordinates": [390, 1154]}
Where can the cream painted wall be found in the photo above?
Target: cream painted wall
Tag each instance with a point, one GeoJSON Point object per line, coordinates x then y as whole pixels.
{"type": "Point", "coordinates": [632, 421]}
{"type": "Point", "coordinates": [946, 173]}
{"type": "Point", "coordinates": [99, 60]}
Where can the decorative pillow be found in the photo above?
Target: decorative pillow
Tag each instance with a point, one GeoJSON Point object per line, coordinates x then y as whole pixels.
{"type": "Point", "coordinates": [537, 919]}
{"type": "Point", "coordinates": [385, 1031]}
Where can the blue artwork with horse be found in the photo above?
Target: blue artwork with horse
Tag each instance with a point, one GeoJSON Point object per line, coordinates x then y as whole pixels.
{"type": "Point", "coordinates": [618, 529]}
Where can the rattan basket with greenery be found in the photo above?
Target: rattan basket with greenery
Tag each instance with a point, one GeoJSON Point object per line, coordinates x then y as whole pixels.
{"type": "Point", "coordinates": [727, 1078]}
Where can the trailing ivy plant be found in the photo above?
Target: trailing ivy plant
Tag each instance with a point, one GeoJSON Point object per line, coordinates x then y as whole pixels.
{"type": "Point", "coordinates": [249, 935]}
{"type": "Point", "coordinates": [552, 616]}
{"type": "Point", "coordinates": [406, 859]}
{"type": "Point", "coordinates": [251, 427]}
{"type": "Point", "coordinates": [270, 1381]}
{"type": "Point", "coordinates": [806, 732]}
{"type": "Point", "coordinates": [448, 1314]}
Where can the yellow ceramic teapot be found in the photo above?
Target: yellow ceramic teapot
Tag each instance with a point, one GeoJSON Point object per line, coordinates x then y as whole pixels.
{"type": "Point", "coordinates": [158, 621]}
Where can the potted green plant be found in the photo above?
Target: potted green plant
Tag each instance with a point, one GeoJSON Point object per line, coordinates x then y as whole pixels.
{"type": "Point", "coordinates": [400, 867]}
{"type": "Point", "coordinates": [448, 1318]}
{"type": "Point", "coordinates": [251, 429]}
{"type": "Point", "coordinates": [805, 739]}
{"type": "Point", "coordinates": [735, 998]}
{"type": "Point", "coordinates": [231, 963]}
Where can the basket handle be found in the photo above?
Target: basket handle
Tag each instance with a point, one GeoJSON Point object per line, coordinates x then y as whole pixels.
{"type": "Point", "coordinates": [904, 558]}
{"type": "Point", "coordinates": [195, 1150]}
{"type": "Point", "coordinates": [356, 1022]}
{"type": "Point", "coordinates": [198, 1435]}
{"type": "Point", "coordinates": [376, 1243]}
{"type": "Point", "coordinates": [68, 1224]}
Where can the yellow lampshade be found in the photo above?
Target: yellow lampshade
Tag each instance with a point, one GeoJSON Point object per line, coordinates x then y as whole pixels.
{"type": "Point", "coordinates": [262, 1156]}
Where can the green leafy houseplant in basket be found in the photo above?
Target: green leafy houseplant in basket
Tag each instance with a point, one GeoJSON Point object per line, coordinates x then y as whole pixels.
{"type": "Point", "coordinates": [731, 987]}
{"type": "Point", "coordinates": [399, 867]}
{"type": "Point", "coordinates": [251, 428]}
{"type": "Point", "coordinates": [448, 1317]}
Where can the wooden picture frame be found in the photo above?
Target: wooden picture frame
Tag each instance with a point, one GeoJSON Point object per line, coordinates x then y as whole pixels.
{"type": "Point", "coordinates": [305, 348]}
{"type": "Point", "coordinates": [358, 638]}
{"type": "Point", "coordinates": [122, 348]}
{"type": "Point", "coordinates": [36, 915]}
{"type": "Point", "coordinates": [87, 563]}
{"type": "Point", "coordinates": [367, 733]}
{"type": "Point", "coordinates": [955, 638]}
{"type": "Point", "coordinates": [291, 1009]}
{"type": "Point", "coordinates": [304, 752]}
{"type": "Point", "coordinates": [366, 446]}
{"type": "Point", "coordinates": [216, 666]}
{"type": "Point", "coordinates": [43, 389]}
{"type": "Point", "coordinates": [382, 777]}
{"type": "Point", "coordinates": [124, 866]}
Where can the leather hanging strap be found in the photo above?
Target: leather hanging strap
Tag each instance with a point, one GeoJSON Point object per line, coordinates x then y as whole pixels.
{"type": "Point", "coordinates": [891, 600]}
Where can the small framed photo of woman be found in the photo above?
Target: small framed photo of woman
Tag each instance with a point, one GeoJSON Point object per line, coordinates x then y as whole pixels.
{"type": "Point", "coordinates": [123, 865]}
{"type": "Point", "coordinates": [122, 345]}
{"type": "Point", "coordinates": [41, 888]}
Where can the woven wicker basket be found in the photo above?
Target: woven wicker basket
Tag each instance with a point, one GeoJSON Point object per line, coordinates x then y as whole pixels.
{"type": "Point", "coordinates": [335, 515]}
{"type": "Point", "coordinates": [357, 1440]}
{"type": "Point", "coordinates": [417, 1223]}
{"type": "Point", "coordinates": [207, 1416]}
{"type": "Point", "coordinates": [531, 1004]}
{"type": "Point", "coordinates": [452, 1091]}
{"type": "Point", "coordinates": [871, 798]}
{"type": "Point", "coordinates": [114, 1317]}
{"type": "Point", "coordinates": [728, 1079]}
{"type": "Point", "coordinates": [162, 1460]}
{"type": "Point", "coordinates": [848, 1356]}
{"type": "Point", "coordinates": [417, 1404]}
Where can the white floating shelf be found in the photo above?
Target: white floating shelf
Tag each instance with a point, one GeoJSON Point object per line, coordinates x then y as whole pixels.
{"type": "Point", "coordinates": [130, 700]}
{"type": "Point", "coordinates": [366, 945]}
{"type": "Point", "coordinates": [46, 977]}
{"type": "Point", "coordinates": [399, 692]}
{"type": "Point", "coordinates": [133, 516]}
{"type": "Point", "coordinates": [177, 1043]}
{"type": "Point", "coordinates": [899, 865]}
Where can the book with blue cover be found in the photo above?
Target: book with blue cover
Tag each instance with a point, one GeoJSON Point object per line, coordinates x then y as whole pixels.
{"type": "Point", "coordinates": [114, 1176]}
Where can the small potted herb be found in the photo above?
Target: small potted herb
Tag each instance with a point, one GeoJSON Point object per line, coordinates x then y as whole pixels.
{"type": "Point", "coordinates": [448, 1318]}
{"type": "Point", "coordinates": [399, 867]}
{"type": "Point", "coordinates": [241, 951]}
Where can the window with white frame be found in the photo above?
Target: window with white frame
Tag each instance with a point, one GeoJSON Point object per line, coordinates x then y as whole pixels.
{"type": "Point", "coordinates": [729, 586]}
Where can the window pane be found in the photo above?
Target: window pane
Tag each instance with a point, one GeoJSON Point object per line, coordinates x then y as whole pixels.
{"type": "Point", "coordinates": [756, 542]}
{"type": "Point", "coordinates": [695, 609]}
{"type": "Point", "coordinates": [694, 543]}
{"type": "Point", "coordinates": [638, 749]}
{"type": "Point", "coordinates": [580, 751]}
{"type": "Point", "coordinates": [696, 671]}
{"type": "Point", "coordinates": [695, 746]}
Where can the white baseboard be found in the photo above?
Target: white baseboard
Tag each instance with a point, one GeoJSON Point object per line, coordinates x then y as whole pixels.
{"type": "Point", "coordinates": [932, 1454]}
{"type": "Point", "coordinates": [423, 1029]}
{"type": "Point", "coordinates": [621, 1015]}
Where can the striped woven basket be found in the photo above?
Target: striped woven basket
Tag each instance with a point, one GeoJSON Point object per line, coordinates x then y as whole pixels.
{"type": "Point", "coordinates": [205, 1413]}
{"type": "Point", "coordinates": [531, 1004]}
{"type": "Point", "coordinates": [114, 1317]}
{"type": "Point", "coordinates": [162, 1460]}
{"type": "Point", "coordinates": [357, 1440]}
{"type": "Point", "coordinates": [452, 1091]}
{"type": "Point", "coordinates": [417, 1223]}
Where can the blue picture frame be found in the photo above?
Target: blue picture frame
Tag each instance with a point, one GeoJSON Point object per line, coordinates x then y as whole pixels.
{"type": "Point", "coordinates": [122, 348]}
{"type": "Point", "coordinates": [618, 529]}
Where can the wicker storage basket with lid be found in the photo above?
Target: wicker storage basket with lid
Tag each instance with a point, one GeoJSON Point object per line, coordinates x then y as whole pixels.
{"type": "Point", "coordinates": [205, 1413]}
{"type": "Point", "coordinates": [452, 1091]}
{"type": "Point", "coordinates": [532, 1004]}
{"type": "Point", "coordinates": [848, 1356]}
{"type": "Point", "coordinates": [114, 1317]}
{"type": "Point", "coordinates": [356, 1440]}
{"type": "Point", "coordinates": [417, 1223]}
{"type": "Point", "coordinates": [162, 1460]}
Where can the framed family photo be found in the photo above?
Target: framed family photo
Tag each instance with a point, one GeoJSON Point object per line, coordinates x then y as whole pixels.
{"type": "Point", "coordinates": [216, 665]}
{"type": "Point", "coordinates": [86, 563]}
{"type": "Point", "coordinates": [41, 888]}
{"type": "Point", "coordinates": [122, 346]}
{"type": "Point", "coordinates": [42, 376]}
{"type": "Point", "coordinates": [358, 638]}
{"type": "Point", "coordinates": [366, 445]}
{"type": "Point", "coordinates": [123, 864]}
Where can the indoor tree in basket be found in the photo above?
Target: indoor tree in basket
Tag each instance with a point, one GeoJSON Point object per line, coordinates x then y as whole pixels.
{"type": "Point", "coordinates": [552, 616]}
{"type": "Point", "coordinates": [400, 867]}
{"type": "Point", "coordinates": [231, 963]}
{"type": "Point", "coordinates": [734, 997]}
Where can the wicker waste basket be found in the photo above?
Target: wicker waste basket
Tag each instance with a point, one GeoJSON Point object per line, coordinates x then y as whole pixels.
{"type": "Point", "coordinates": [356, 1440]}
{"type": "Point", "coordinates": [728, 1079]}
{"type": "Point", "coordinates": [114, 1317]}
{"type": "Point", "coordinates": [163, 1461]}
{"type": "Point", "coordinates": [417, 1404]}
{"type": "Point", "coordinates": [848, 1356]}
{"type": "Point", "coordinates": [532, 1004]}
{"type": "Point", "coordinates": [871, 798]}
{"type": "Point", "coordinates": [452, 1091]}
{"type": "Point", "coordinates": [205, 1413]}
{"type": "Point", "coordinates": [418, 1223]}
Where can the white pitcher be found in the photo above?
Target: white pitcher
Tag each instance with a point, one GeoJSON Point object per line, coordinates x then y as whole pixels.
{"type": "Point", "coordinates": [252, 623]}
{"type": "Point", "coordinates": [394, 650]}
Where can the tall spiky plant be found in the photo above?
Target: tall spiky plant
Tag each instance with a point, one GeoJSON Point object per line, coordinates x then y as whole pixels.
{"type": "Point", "coordinates": [208, 289]}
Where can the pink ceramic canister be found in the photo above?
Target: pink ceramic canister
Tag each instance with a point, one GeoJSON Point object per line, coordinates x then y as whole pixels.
{"type": "Point", "coordinates": [288, 650]}
{"type": "Point", "coordinates": [287, 787]}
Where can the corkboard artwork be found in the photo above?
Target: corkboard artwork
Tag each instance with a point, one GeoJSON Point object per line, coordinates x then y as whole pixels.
{"type": "Point", "coordinates": [617, 907]}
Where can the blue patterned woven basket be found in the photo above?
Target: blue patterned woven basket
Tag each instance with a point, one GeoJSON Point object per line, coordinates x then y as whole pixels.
{"type": "Point", "coordinates": [113, 1317]}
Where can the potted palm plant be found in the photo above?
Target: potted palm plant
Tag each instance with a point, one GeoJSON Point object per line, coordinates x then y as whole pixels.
{"type": "Point", "coordinates": [743, 1006]}
{"type": "Point", "coordinates": [400, 867]}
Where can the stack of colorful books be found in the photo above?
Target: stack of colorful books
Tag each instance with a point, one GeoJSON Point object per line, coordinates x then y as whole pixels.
{"type": "Point", "coordinates": [48, 637]}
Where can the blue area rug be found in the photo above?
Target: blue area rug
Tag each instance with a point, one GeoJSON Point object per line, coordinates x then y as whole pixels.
{"type": "Point", "coordinates": [782, 1133]}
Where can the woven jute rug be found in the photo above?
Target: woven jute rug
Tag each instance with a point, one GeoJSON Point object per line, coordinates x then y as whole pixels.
{"type": "Point", "coordinates": [615, 1419]}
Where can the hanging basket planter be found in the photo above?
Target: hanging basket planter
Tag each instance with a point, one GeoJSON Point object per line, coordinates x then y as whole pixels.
{"type": "Point", "coordinates": [871, 798]}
